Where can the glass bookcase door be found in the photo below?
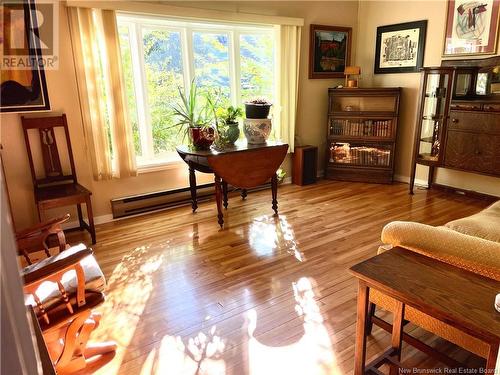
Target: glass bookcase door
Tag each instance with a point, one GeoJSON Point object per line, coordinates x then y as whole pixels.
{"type": "Point", "coordinates": [433, 116]}
{"type": "Point", "coordinates": [341, 104]}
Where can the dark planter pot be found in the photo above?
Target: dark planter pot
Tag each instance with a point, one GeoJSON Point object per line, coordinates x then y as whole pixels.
{"type": "Point", "coordinates": [257, 110]}
{"type": "Point", "coordinates": [202, 138]}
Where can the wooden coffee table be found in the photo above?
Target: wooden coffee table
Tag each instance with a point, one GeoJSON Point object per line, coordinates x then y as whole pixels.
{"type": "Point", "coordinates": [457, 297]}
{"type": "Point", "coordinates": [243, 166]}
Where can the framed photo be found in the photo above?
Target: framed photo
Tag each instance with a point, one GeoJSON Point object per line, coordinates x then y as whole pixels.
{"type": "Point", "coordinates": [329, 51]}
{"type": "Point", "coordinates": [471, 27]}
{"type": "Point", "coordinates": [400, 48]}
{"type": "Point", "coordinates": [23, 87]}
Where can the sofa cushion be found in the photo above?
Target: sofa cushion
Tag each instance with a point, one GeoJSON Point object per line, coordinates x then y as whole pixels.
{"type": "Point", "coordinates": [484, 224]}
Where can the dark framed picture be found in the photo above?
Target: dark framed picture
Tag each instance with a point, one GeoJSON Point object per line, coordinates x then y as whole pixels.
{"type": "Point", "coordinates": [23, 87]}
{"type": "Point", "coordinates": [400, 48]}
{"type": "Point", "coordinates": [329, 51]}
{"type": "Point", "coordinates": [471, 28]}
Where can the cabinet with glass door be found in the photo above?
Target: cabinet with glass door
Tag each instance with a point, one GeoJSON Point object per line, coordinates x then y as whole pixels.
{"type": "Point", "coordinates": [432, 118]}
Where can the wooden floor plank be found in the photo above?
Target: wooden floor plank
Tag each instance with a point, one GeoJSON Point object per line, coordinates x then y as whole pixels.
{"type": "Point", "coordinates": [264, 294]}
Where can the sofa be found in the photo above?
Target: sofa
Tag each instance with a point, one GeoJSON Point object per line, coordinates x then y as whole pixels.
{"type": "Point", "coordinates": [471, 243]}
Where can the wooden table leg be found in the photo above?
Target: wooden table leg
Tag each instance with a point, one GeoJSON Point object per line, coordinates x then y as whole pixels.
{"type": "Point", "coordinates": [224, 191]}
{"type": "Point", "coordinates": [360, 346]}
{"type": "Point", "coordinates": [243, 193]}
{"type": "Point", "coordinates": [192, 186]}
{"type": "Point", "coordinates": [218, 199]}
{"type": "Point", "coordinates": [397, 335]}
{"type": "Point", "coordinates": [274, 188]}
{"type": "Point", "coordinates": [491, 362]}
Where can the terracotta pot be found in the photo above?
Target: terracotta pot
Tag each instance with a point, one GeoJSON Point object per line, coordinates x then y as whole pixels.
{"type": "Point", "coordinates": [202, 138]}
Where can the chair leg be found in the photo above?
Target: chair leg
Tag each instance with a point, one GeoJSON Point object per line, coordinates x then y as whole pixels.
{"type": "Point", "coordinates": [90, 214]}
{"type": "Point", "coordinates": [40, 212]}
{"type": "Point", "coordinates": [80, 216]}
{"type": "Point", "coordinates": [75, 350]}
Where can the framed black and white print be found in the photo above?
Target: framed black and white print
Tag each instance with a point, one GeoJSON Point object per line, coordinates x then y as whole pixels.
{"type": "Point", "coordinates": [400, 48]}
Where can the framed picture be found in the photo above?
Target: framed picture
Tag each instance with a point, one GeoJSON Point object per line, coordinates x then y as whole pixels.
{"type": "Point", "coordinates": [329, 51]}
{"type": "Point", "coordinates": [23, 86]}
{"type": "Point", "coordinates": [400, 48]}
{"type": "Point", "coordinates": [471, 27]}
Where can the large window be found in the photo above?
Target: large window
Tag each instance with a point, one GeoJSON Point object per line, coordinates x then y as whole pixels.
{"type": "Point", "coordinates": [161, 56]}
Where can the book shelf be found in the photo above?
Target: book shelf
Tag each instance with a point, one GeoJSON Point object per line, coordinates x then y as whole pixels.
{"type": "Point", "coordinates": [361, 134]}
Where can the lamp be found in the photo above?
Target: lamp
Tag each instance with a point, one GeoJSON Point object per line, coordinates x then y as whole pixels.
{"type": "Point", "coordinates": [352, 83]}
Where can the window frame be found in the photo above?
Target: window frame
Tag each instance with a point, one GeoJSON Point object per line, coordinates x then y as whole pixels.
{"type": "Point", "coordinates": [136, 25]}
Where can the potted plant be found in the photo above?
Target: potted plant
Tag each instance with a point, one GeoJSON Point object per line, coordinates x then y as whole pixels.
{"type": "Point", "coordinates": [257, 108]}
{"type": "Point", "coordinates": [194, 116]}
{"type": "Point", "coordinates": [229, 118]}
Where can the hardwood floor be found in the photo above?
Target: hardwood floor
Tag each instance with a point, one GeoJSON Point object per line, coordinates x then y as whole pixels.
{"type": "Point", "coordinates": [266, 295]}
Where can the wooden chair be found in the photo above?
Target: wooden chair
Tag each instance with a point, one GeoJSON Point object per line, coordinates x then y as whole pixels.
{"type": "Point", "coordinates": [63, 290]}
{"type": "Point", "coordinates": [56, 189]}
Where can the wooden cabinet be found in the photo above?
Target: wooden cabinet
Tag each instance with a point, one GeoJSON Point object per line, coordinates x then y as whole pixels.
{"type": "Point", "coordinates": [465, 134]}
{"type": "Point", "coordinates": [361, 134]}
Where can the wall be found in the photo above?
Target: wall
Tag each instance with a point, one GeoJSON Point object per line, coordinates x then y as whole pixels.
{"type": "Point", "coordinates": [64, 98]}
{"type": "Point", "coordinates": [377, 13]}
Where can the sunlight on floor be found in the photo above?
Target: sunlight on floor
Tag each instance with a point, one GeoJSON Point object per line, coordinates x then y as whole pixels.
{"type": "Point", "coordinates": [312, 354]}
{"type": "Point", "coordinates": [201, 354]}
{"type": "Point", "coordinates": [268, 234]}
{"type": "Point", "coordinates": [129, 287]}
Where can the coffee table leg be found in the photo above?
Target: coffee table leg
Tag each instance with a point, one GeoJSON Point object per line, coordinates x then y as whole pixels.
{"type": "Point", "coordinates": [218, 199]}
{"type": "Point", "coordinates": [243, 193]}
{"type": "Point", "coordinates": [274, 188]}
{"type": "Point", "coordinates": [224, 191]}
{"type": "Point", "coordinates": [491, 362]}
{"type": "Point", "coordinates": [360, 348]}
{"type": "Point", "coordinates": [397, 335]}
{"type": "Point", "coordinates": [192, 186]}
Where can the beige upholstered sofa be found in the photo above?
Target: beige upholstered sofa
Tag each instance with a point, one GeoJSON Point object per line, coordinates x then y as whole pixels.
{"type": "Point", "coordinates": [471, 243]}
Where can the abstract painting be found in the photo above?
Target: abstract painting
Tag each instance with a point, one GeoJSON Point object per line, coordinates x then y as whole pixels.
{"type": "Point", "coordinates": [329, 51]}
{"type": "Point", "coordinates": [22, 82]}
{"type": "Point", "coordinates": [471, 27]}
{"type": "Point", "coordinates": [400, 47]}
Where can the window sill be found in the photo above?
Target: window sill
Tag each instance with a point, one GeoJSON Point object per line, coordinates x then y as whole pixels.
{"type": "Point", "coordinates": [161, 166]}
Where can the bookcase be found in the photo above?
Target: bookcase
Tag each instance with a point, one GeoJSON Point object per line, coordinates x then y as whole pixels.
{"type": "Point", "coordinates": [361, 134]}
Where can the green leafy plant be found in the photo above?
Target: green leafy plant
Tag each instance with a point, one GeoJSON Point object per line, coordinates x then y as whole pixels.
{"type": "Point", "coordinates": [191, 112]}
{"type": "Point", "coordinates": [231, 114]}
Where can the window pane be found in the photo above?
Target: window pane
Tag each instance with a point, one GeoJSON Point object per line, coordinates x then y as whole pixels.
{"type": "Point", "coordinates": [211, 62]}
{"type": "Point", "coordinates": [128, 74]}
{"type": "Point", "coordinates": [257, 68]}
{"type": "Point", "coordinates": [164, 74]}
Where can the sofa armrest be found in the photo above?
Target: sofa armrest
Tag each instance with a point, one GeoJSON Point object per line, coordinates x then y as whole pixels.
{"type": "Point", "coordinates": [471, 253]}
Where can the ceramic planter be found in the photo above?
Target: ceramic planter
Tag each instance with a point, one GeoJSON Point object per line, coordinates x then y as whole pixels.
{"type": "Point", "coordinates": [202, 138]}
{"type": "Point", "coordinates": [233, 132]}
{"type": "Point", "coordinates": [257, 131]}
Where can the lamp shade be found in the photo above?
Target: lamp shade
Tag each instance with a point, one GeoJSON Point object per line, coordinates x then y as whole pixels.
{"type": "Point", "coordinates": [352, 70]}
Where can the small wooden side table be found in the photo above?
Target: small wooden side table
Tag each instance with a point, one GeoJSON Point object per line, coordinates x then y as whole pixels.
{"type": "Point", "coordinates": [244, 166]}
{"type": "Point", "coordinates": [457, 297]}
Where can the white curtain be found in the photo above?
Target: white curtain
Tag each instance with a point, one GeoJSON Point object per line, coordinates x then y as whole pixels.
{"type": "Point", "coordinates": [287, 82]}
{"type": "Point", "coordinates": [96, 53]}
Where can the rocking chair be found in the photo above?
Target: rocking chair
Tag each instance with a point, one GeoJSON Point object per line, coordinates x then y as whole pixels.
{"type": "Point", "coordinates": [63, 289]}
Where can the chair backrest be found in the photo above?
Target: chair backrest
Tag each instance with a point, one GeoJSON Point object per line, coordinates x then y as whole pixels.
{"type": "Point", "coordinates": [50, 154]}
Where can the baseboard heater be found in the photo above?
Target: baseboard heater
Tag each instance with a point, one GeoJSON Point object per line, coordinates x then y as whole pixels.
{"type": "Point", "coordinates": [148, 202]}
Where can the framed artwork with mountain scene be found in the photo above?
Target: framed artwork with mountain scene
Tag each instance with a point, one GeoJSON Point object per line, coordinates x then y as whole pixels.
{"type": "Point", "coordinates": [23, 87]}
{"type": "Point", "coordinates": [329, 51]}
{"type": "Point", "coordinates": [400, 48]}
{"type": "Point", "coordinates": [471, 27]}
